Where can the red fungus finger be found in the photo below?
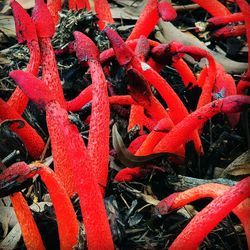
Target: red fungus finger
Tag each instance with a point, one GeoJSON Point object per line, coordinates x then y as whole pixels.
{"type": "Point", "coordinates": [146, 21]}
{"type": "Point", "coordinates": [213, 190]}
{"type": "Point", "coordinates": [66, 218]}
{"type": "Point", "coordinates": [162, 55]}
{"type": "Point", "coordinates": [57, 119]}
{"type": "Point", "coordinates": [45, 30]}
{"type": "Point", "coordinates": [202, 77]}
{"type": "Point", "coordinates": [72, 5]}
{"type": "Point", "coordinates": [108, 54]}
{"type": "Point", "coordinates": [213, 7]}
{"type": "Point", "coordinates": [146, 148]}
{"type": "Point", "coordinates": [225, 86]}
{"type": "Point", "coordinates": [150, 17]}
{"type": "Point", "coordinates": [82, 99]}
{"type": "Point", "coordinates": [130, 174]}
{"type": "Point", "coordinates": [243, 85]}
{"type": "Point", "coordinates": [54, 6]}
{"type": "Point", "coordinates": [121, 100]}
{"type": "Point", "coordinates": [68, 227]}
{"type": "Point", "coordinates": [185, 72]}
{"type": "Point", "coordinates": [229, 31]}
{"type": "Point", "coordinates": [142, 48]}
{"type": "Point", "coordinates": [54, 113]}
{"type": "Point", "coordinates": [30, 233]}
{"type": "Point", "coordinates": [149, 123]}
{"type": "Point", "coordinates": [103, 13]}
{"type": "Point", "coordinates": [125, 55]}
{"type": "Point", "coordinates": [177, 110]}
{"type": "Point", "coordinates": [136, 116]}
{"type": "Point", "coordinates": [136, 143]}
{"type": "Point", "coordinates": [31, 236]}
{"type": "Point", "coordinates": [98, 143]}
{"type": "Point", "coordinates": [79, 4]}
{"type": "Point", "coordinates": [85, 5]}
{"type": "Point", "coordinates": [223, 20]}
{"type": "Point", "coordinates": [74, 156]}
{"type": "Point", "coordinates": [33, 142]}
{"type": "Point", "coordinates": [218, 209]}
{"type": "Point", "coordinates": [150, 108]}
{"type": "Point", "coordinates": [142, 94]}
{"type": "Point", "coordinates": [245, 9]}
{"type": "Point", "coordinates": [95, 219]}
{"type": "Point", "coordinates": [180, 134]}
{"type": "Point", "coordinates": [207, 87]}
{"type": "Point", "coordinates": [26, 33]}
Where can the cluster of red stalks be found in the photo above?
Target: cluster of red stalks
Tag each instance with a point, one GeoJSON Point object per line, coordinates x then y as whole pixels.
{"type": "Point", "coordinates": [84, 170]}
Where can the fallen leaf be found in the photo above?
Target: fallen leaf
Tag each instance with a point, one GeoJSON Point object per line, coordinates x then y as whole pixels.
{"type": "Point", "coordinates": [7, 26]}
{"type": "Point", "coordinates": [11, 240]}
{"type": "Point", "coordinates": [26, 4]}
{"type": "Point", "coordinates": [240, 166]}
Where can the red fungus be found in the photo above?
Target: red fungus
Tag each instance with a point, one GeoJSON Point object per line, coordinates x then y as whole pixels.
{"type": "Point", "coordinates": [213, 190]}
{"type": "Point", "coordinates": [121, 100]}
{"type": "Point", "coordinates": [68, 227]}
{"type": "Point", "coordinates": [82, 99]}
{"type": "Point", "coordinates": [30, 232]}
{"type": "Point", "coordinates": [223, 20]}
{"type": "Point", "coordinates": [150, 109]}
{"type": "Point", "coordinates": [98, 143]}
{"type": "Point", "coordinates": [150, 17]}
{"type": "Point", "coordinates": [163, 55]}
{"type": "Point", "coordinates": [142, 94]}
{"type": "Point", "coordinates": [180, 134]}
{"type": "Point", "coordinates": [185, 72]}
{"type": "Point", "coordinates": [26, 33]}
{"type": "Point", "coordinates": [136, 143]}
{"type": "Point", "coordinates": [213, 7]}
{"type": "Point", "coordinates": [38, 93]}
{"type": "Point", "coordinates": [130, 174]}
{"type": "Point", "coordinates": [225, 86]}
{"type": "Point", "coordinates": [142, 48]}
{"type": "Point", "coordinates": [243, 85]}
{"type": "Point", "coordinates": [79, 4]}
{"type": "Point", "coordinates": [125, 56]}
{"type": "Point", "coordinates": [103, 13]}
{"type": "Point", "coordinates": [136, 111]}
{"type": "Point", "coordinates": [219, 208]}
{"type": "Point", "coordinates": [69, 145]}
{"type": "Point", "coordinates": [33, 142]}
{"type": "Point", "coordinates": [45, 30]}
{"type": "Point", "coordinates": [197, 53]}
{"type": "Point", "coordinates": [202, 76]}
{"type": "Point", "coordinates": [54, 6]}
{"type": "Point", "coordinates": [108, 54]}
{"type": "Point", "coordinates": [229, 31]}
{"type": "Point", "coordinates": [66, 218]}
{"type": "Point", "coordinates": [136, 116]}
{"type": "Point", "coordinates": [95, 219]}
{"type": "Point", "coordinates": [245, 9]}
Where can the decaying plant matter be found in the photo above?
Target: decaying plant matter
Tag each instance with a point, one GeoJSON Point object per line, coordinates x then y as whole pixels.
{"type": "Point", "coordinates": [120, 107]}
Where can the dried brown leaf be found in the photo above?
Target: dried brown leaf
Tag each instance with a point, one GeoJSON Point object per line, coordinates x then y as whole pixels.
{"type": "Point", "coordinates": [240, 166]}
